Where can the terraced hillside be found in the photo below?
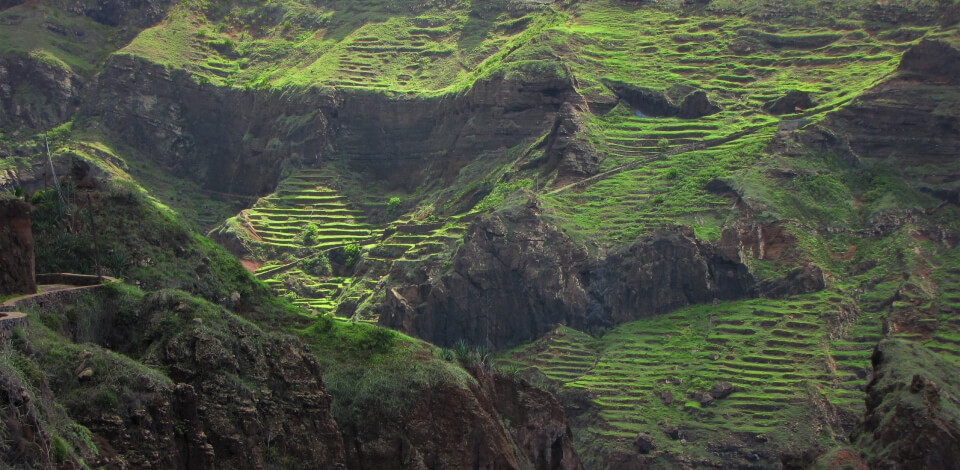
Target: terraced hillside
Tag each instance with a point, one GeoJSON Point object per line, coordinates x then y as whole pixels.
{"type": "Point", "coordinates": [736, 381]}
{"type": "Point", "coordinates": [486, 165]}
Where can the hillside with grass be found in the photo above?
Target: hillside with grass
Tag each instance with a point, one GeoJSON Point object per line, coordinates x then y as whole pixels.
{"type": "Point", "coordinates": [664, 234]}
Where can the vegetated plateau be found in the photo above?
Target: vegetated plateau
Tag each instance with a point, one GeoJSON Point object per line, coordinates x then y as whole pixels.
{"type": "Point", "coordinates": [602, 234]}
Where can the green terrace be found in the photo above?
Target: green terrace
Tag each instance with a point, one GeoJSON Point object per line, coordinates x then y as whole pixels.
{"type": "Point", "coordinates": [304, 212]}
{"type": "Point", "coordinates": [305, 218]}
{"type": "Point", "coordinates": [781, 355]}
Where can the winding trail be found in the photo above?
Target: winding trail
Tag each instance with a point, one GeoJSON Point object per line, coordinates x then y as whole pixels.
{"type": "Point", "coordinates": [53, 289]}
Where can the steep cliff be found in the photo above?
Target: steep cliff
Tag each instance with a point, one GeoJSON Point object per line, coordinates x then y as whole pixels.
{"type": "Point", "coordinates": [230, 395]}
{"type": "Point", "coordinates": [517, 276]}
{"type": "Point", "coordinates": [492, 421]}
{"type": "Point", "coordinates": [912, 418]}
{"type": "Point", "coordinates": [216, 134]}
{"type": "Point", "coordinates": [16, 261]}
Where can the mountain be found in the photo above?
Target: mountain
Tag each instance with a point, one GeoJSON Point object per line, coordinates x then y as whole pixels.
{"type": "Point", "coordinates": [499, 234]}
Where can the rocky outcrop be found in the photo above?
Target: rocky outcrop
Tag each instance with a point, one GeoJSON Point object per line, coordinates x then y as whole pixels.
{"type": "Point", "coordinates": [912, 420]}
{"type": "Point", "coordinates": [516, 276]}
{"type": "Point", "coordinates": [692, 104]}
{"type": "Point", "coordinates": [794, 101]}
{"type": "Point", "coordinates": [214, 135]}
{"type": "Point", "coordinates": [37, 91]}
{"type": "Point", "coordinates": [665, 271]}
{"type": "Point", "coordinates": [236, 397]}
{"type": "Point", "coordinates": [138, 13]}
{"type": "Point", "coordinates": [697, 105]}
{"type": "Point", "coordinates": [16, 238]}
{"type": "Point", "coordinates": [566, 150]}
{"type": "Point", "coordinates": [932, 60]}
{"type": "Point", "coordinates": [912, 116]}
{"type": "Point", "coordinates": [217, 134]}
{"type": "Point", "coordinates": [492, 422]}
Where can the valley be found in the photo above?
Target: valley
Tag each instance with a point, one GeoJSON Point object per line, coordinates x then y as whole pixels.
{"type": "Point", "coordinates": [605, 233]}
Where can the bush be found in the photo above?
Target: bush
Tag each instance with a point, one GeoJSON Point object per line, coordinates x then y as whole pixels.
{"type": "Point", "coordinates": [309, 236]}
{"type": "Point", "coordinates": [353, 254]}
{"type": "Point", "coordinates": [378, 340]}
{"type": "Point", "coordinates": [393, 205]}
{"type": "Point", "coordinates": [316, 265]}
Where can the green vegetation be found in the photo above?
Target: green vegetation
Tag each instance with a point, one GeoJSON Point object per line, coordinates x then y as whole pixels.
{"type": "Point", "coordinates": [375, 373]}
{"type": "Point", "coordinates": [332, 243]}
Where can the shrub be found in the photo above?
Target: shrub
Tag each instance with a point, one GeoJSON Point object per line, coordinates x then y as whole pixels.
{"type": "Point", "coordinates": [353, 254]}
{"type": "Point", "coordinates": [378, 340]}
{"type": "Point", "coordinates": [461, 350]}
{"type": "Point", "coordinates": [393, 205]}
{"type": "Point", "coordinates": [316, 265]}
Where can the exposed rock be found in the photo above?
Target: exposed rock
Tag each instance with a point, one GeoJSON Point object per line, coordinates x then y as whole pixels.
{"type": "Point", "coordinates": [644, 443]}
{"type": "Point", "coordinates": [666, 397]}
{"type": "Point", "coordinates": [517, 275]}
{"type": "Point", "coordinates": [566, 150]}
{"type": "Point", "coordinates": [673, 432]}
{"type": "Point", "coordinates": [215, 134]}
{"type": "Point", "coordinates": [139, 13]}
{"type": "Point", "coordinates": [665, 271]}
{"type": "Point", "coordinates": [803, 280]}
{"type": "Point", "coordinates": [697, 105]}
{"type": "Point", "coordinates": [722, 390]}
{"type": "Point", "coordinates": [912, 418]}
{"type": "Point", "coordinates": [766, 242]}
{"type": "Point", "coordinates": [650, 102]}
{"type": "Point", "coordinates": [912, 115]}
{"type": "Point", "coordinates": [494, 422]}
{"type": "Point", "coordinates": [36, 92]}
{"type": "Point", "coordinates": [793, 102]}
{"type": "Point", "coordinates": [236, 391]}
{"type": "Point", "coordinates": [85, 374]}
{"type": "Point", "coordinates": [16, 258]}
{"type": "Point", "coordinates": [932, 60]}
{"type": "Point", "coordinates": [514, 277]}
{"type": "Point", "coordinates": [706, 398]}
{"type": "Point", "coordinates": [721, 186]}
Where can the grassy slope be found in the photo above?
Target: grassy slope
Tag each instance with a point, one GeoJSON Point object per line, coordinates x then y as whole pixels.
{"type": "Point", "coordinates": [780, 353]}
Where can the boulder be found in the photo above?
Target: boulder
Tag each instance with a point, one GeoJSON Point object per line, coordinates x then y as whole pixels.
{"type": "Point", "coordinates": [794, 101]}
{"type": "Point", "coordinates": [697, 105]}
{"type": "Point", "coordinates": [644, 443]}
{"type": "Point", "coordinates": [722, 390]}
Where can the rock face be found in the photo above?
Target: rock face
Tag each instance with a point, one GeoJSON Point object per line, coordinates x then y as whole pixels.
{"type": "Point", "coordinates": [912, 116]}
{"type": "Point", "coordinates": [236, 393]}
{"type": "Point", "coordinates": [697, 105]}
{"type": "Point", "coordinates": [495, 422]}
{"type": "Point", "coordinates": [793, 102]}
{"type": "Point", "coordinates": [566, 150]}
{"type": "Point", "coordinates": [932, 60]}
{"type": "Point", "coordinates": [516, 276]}
{"type": "Point", "coordinates": [16, 238]}
{"type": "Point", "coordinates": [912, 420]}
{"type": "Point", "coordinates": [139, 13]}
{"type": "Point", "coordinates": [37, 92]}
{"type": "Point", "coordinates": [216, 134]}
{"type": "Point", "coordinates": [650, 102]}
{"type": "Point", "coordinates": [211, 134]}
